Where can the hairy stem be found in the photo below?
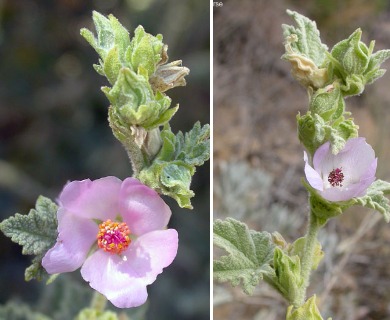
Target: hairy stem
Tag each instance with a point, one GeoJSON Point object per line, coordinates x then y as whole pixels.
{"type": "Point", "coordinates": [307, 258]}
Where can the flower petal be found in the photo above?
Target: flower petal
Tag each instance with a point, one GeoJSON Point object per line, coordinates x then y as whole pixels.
{"type": "Point", "coordinates": [312, 176]}
{"type": "Point", "coordinates": [356, 158]}
{"type": "Point", "coordinates": [75, 238]}
{"type": "Point", "coordinates": [142, 208]}
{"type": "Point", "coordinates": [319, 156]}
{"type": "Point", "coordinates": [354, 190]}
{"type": "Point", "coordinates": [96, 199]}
{"type": "Point", "coordinates": [123, 280]}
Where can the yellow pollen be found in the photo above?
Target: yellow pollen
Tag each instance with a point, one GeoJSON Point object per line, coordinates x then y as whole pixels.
{"type": "Point", "coordinates": [113, 237]}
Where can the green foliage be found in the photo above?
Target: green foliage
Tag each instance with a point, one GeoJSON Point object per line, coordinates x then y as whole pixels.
{"type": "Point", "coordinates": [115, 49]}
{"type": "Point", "coordinates": [287, 277]}
{"type": "Point", "coordinates": [329, 79]}
{"type": "Point", "coordinates": [298, 247]}
{"type": "Point", "coordinates": [375, 198]}
{"type": "Point", "coordinates": [313, 131]}
{"type": "Point", "coordinates": [250, 254]}
{"type": "Point", "coordinates": [174, 165]}
{"type": "Point", "coordinates": [138, 71]}
{"type": "Point", "coordinates": [19, 311]}
{"type": "Point", "coordinates": [308, 41]}
{"type": "Point", "coordinates": [308, 311]}
{"type": "Point", "coordinates": [35, 232]}
{"type": "Point", "coordinates": [328, 102]}
{"type": "Point", "coordinates": [144, 51]}
{"type": "Point", "coordinates": [135, 104]}
{"type": "Point", "coordinates": [193, 148]}
{"type": "Point", "coordinates": [355, 64]}
{"type": "Point", "coordinates": [322, 208]}
{"type": "Point", "coordinates": [352, 55]}
{"type": "Point", "coordinates": [111, 44]}
{"type": "Point", "coordinates": [128, 64]}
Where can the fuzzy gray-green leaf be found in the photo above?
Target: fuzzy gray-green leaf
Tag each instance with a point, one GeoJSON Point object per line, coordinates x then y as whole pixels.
{"type": "Point", "coordinates": [194, 147]}
{"type": "Point", "coordinates": [145, 51]}
{"type": "Point", "coordinates": [250, 254]}
{"type": "Point", "coordinates": [375, 198]}
{"type": "Point", "coordinates": [309, 42]}
{"type": "Point", "coordinates": [37, 231]}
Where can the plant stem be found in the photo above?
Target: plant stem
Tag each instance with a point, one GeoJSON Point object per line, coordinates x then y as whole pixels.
{"type": "Point", "coordinates": [98, 302]}
{"type": "Point", "coordinates": [307, 257]}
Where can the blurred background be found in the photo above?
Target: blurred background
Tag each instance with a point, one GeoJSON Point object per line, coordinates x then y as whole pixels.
{"type": "Point", "coordinates": [53, 128]}
{"type": "Point", "coordinates": [258, 161]}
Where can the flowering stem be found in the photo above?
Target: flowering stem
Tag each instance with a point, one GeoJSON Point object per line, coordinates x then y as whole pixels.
{"type": "Point", "coordinates": [307, 257]}
{"type": "Point", "coordinates": [98, 302]}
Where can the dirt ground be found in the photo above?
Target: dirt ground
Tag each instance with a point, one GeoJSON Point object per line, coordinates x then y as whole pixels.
{"type": "Point", "coordinates": [255, 106]}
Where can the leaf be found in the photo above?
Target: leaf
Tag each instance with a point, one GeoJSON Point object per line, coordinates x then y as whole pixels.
{"type": "Point", "coordinates": [352, 54]}
{"type": "Point", "coordinates": [174, 165]}
{"type": "Point", "coordinates": [35, 232]}
{"type": "Point", "coordinates": [309, 42]}
{"type": "Point", "coordinates": [250, 254]}
{"type": "Point", "coordinates": [171, 178]}
{"type": "Point", "coordinates": [110, 34]}
{"type": "Point", "coordinates": [379, 57]}
{"type": "Point", "coordinates": [287, 279]}
{"type": "Point", "coordinates": [111, 66]}
{"type": "Point", "coordinates": [328, 102]}
{"type": "Point", "coordinates": [176, 179]}
{"type": "Point", "coordinates": [375, 198]}
{"type": "Point", "coordinates": [194, 147]}
{"type": "Point", "coordinates": [136, 104]}
{"type": "Point", "coordinates": [313, 131]}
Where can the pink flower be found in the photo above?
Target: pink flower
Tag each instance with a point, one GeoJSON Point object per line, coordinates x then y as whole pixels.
{"type": "Point", "coordinates": [345, 175]}
{"type": "Point", "coordinates": [116, 232]}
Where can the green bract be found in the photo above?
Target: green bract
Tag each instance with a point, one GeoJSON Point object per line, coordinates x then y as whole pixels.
{"type": "Point", "coordinates": [144, 52]}
{"type": "Point", "coordinates": [313, 131]}
{"type": "Point", "coordinates": [356, 64]}
{"type": "Point", "coordinates": [135, 103]}
{"type": "Point", "coordinates": [328, 102]}
{"type": "Point", "coordinates": [352, 55]}
{"type": "Point", "coordinates": [308, 311]}
{"type": "Point", "coordinates": [174, 166]}
{"type": "Point", "coordinates": [287, 278]}
{"type": "Point", "coordinates": [297, 248]}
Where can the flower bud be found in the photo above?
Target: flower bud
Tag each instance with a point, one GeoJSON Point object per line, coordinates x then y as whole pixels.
{"type": "Point", "coordinates": [288, 272]}
{"type": "Point", "coordinates": [307, 311]}
{"type": "Point", "coordinates": [168, 76]}
{"type": "Point", "coordinates": [304, 70]}
{"type": "Point", "coordinates": [298, 247]}
{"type": "Point", "coordinates": [328, 102]}
{"type": "Point", "coordinates": [352, 55]}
